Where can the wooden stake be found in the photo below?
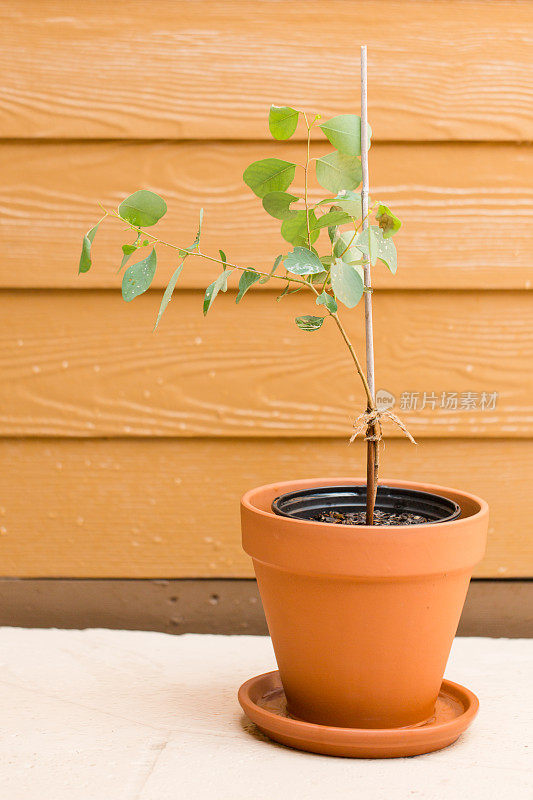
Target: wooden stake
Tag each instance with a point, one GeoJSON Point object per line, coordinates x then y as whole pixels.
{"type": "Point", "coordinates": [372, 446]}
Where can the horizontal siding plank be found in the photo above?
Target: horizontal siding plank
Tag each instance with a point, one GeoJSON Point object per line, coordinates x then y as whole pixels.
{"type": "Point", "coordinates": [179, 69]}
{"type": "Point", "coordinates": [88, 364]}
{"type": "Point", "coordinates": [467, 210]}
{"type": "Point", "coordinates": [164, 509]}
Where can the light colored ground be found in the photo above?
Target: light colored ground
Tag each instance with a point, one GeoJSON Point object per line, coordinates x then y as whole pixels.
{"type": "Point", "coordinates": [121, 715]}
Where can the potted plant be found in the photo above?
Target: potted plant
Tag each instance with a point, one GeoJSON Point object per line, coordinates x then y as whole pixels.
{"type": "Point", "coordinates": [362, 581]}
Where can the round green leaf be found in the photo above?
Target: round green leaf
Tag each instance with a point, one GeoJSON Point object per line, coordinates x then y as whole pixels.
{"type": "Point", "coordinates": [247, 279]}
{"type": "Point", "coordinates": [325, 299]}
{"type": "Point", "coordinates": [344, 133]}
{"type": "Point", "coordinates": [331, 218]}
{"type": "Point", "coordinates": [269, 175]}
{"type": "Point", "coordinates": [139, 276]}
{"type": "Point", "coordinates": [337, 171]}
{"type": "Point", "coordinates": [309, 323]}
{"type": "Point", "coordinates": [282, 121]}
{"type": "Point", "coordinates": [347, 201]}
{"type": "Point", "coordinates": [386, 250]}
{"type": "Point", "coordinates": [277, 204]}
{"type": "Point", "coordinates": [302, 261]}
{"type": "Point", "coordinates": [346, 283]}
{"type": "Point", "coordinates": [142, 208]}
{"type": "Point", "coordinates": [294, 228]}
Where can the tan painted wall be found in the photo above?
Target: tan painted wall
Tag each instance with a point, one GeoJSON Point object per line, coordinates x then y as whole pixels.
{"type": "Point", "coordinates": [123, 452]}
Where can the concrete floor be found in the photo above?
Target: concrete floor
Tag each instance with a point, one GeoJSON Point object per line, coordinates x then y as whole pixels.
{"type": "Point", "coordinates": [128, 715]}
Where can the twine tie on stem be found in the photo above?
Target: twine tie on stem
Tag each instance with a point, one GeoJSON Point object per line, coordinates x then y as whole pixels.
{"type": "Point", "coordinates": [371, 420]}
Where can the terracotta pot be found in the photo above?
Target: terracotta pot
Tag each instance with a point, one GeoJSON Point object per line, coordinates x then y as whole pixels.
{"type": "Point", "coordinates": [362, 618]}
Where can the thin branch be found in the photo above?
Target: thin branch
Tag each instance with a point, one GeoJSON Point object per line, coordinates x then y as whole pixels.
{"type": "Point", "coordinates": [199, 254]}
{"type": "Point", "coordinates": [354, 357]}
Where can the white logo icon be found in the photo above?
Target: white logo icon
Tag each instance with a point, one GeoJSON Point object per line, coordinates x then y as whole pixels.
{"type": "Point", "coordinates": [384, 400]}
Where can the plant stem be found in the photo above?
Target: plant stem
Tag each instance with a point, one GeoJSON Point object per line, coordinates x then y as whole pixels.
{"type": "Point", "coordinates": [357, 363]}
{"type": "Point", "coordinates": [372, 463]}
{"type": "Point", "coordinates": [306, 170]}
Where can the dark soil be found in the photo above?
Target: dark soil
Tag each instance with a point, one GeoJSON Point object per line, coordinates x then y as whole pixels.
{"type": "Point", "coordinates": [359, 518]}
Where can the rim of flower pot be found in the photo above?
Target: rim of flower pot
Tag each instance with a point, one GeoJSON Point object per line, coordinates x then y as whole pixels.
{"type": "Point", "coordinates": [284, 487]}
{"type": "Point", "coordinates": [305, 503]}
{"type": "Point", "coordinates": [384, 551]}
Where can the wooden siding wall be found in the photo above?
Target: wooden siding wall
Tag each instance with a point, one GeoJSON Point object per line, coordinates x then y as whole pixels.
{"type": "Point", "coordinates": [123, 452]}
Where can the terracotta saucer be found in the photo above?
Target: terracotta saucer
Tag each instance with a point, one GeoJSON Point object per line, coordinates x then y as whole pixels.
{"type": "Point", "coordinates": [263, 701]}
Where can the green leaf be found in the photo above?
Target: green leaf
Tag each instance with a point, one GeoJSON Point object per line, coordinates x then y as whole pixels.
{"type": "Point", "coordinates": [344, 247]}
{"type": "Point", "coordinates": [85, 257]}
{"type": "Point", "coordinates": [220, 285]}
{"type": "Point", "coordinates": [294, 228]}
{"type": "Point", "coordinates": [346, 283]}
{"type": "Point", "coordinates": [338, 171]}
{"type": "Point", "coordinates": [247, 279]}
{"type": "Point", "coordinates": [199, 231]}
{"type": "Point", "coordinates": [139, 276]}
{"type": "Point", "coordinates": [347, 201]}
{"type": "Point", "coordinates": [302, 261]}
{"type": "Point", "coordinates": [142, 208]}
{"type": "Point", "coordinates": [325, 299]}
{"type": "Point", "coordinates": [362, 243]}
{"type": "Point", "coordinates": [387, 221]}
{"type": "Point", "coordinates": [282, 121]}
{"type": "Point", "coordinates": [167, 296]}
{"type": "Point", "coordinates": [386, 250]}
{"type": "Point", "coordinates": [277, 262]}
{"type": "Point", "coordinates": [269, 175]}
{"type": "Point", "coordinates": [223, 259]}
{"type": "Point", "coordinates": [196, 242]}
{"type": "Point", "coordinates": [333, 233]}
{"type": "Point", "coordinates": [331, 218]}
{"type": "Point", "coordinates": [319, 277]}
{"type": "Point", "coordinates": [344, 133]}
{"type": "Point", "coordinates": [277, 204]}
{"type": "Point", "coordinates": [309, 323]}
{"type": "Point", "coordinates": [127, 250]}
{"type": "Point", "coordinates": [387, 254]}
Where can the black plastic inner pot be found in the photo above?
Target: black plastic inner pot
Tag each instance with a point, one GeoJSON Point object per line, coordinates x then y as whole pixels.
{"type": "Point", "coordinates": [309, 503]}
